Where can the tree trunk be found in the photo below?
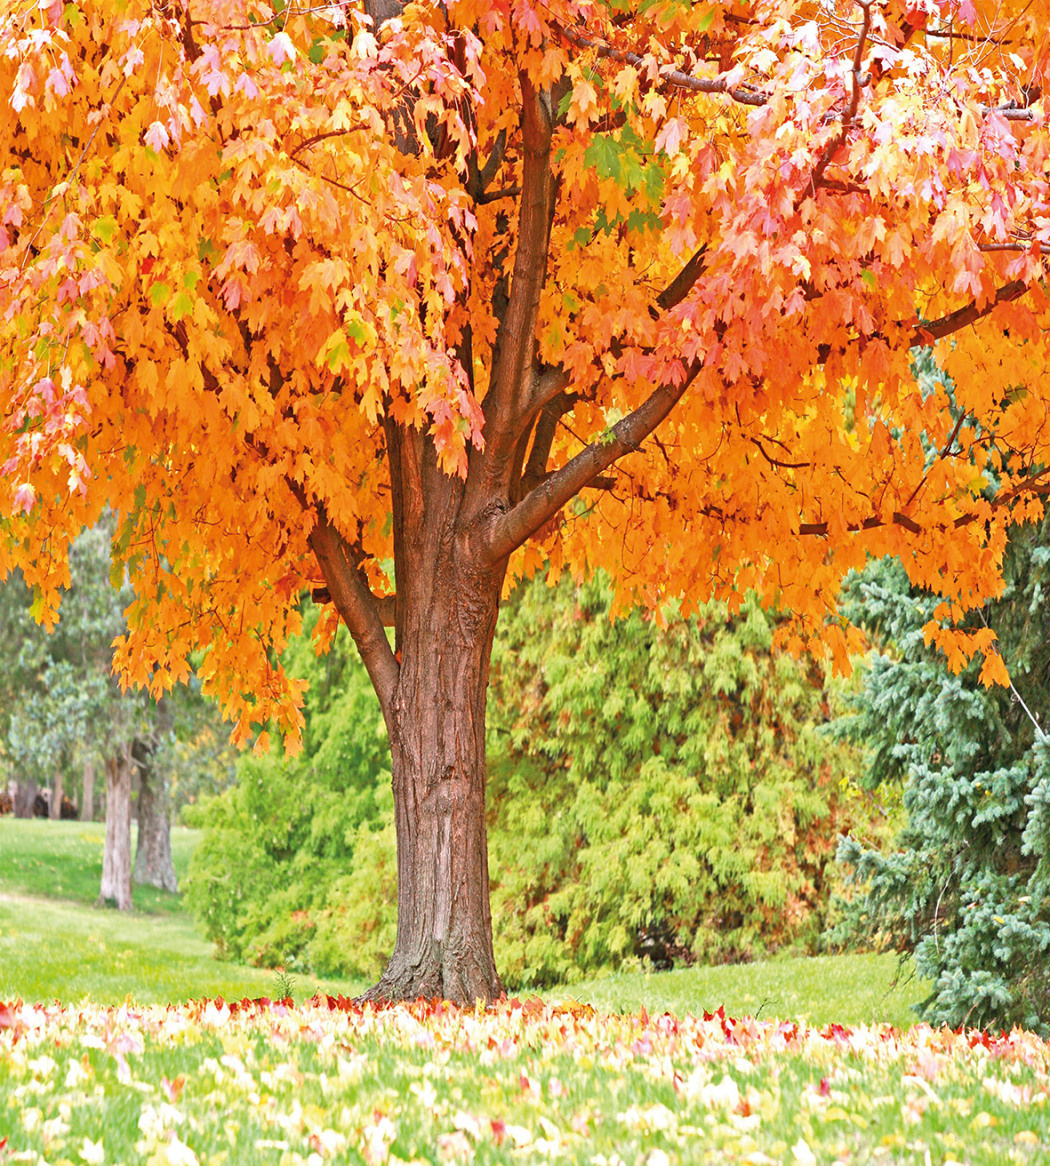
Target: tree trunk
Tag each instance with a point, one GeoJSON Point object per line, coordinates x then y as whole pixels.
{"type": "Point", "coordinates": [153, 853]}
{"type": "Point", "coordinates": [25, 798]}
{"type": "Point", "coordinates": [55, 805]}
{"type": "Point", "coordinates": [444, 928]}
{"type": "Point", "coordinates": [433, 695]}
{"type": "Point", "coordinates": [116, 858]}
{"type": "Point", "coordinates": [87, 797]}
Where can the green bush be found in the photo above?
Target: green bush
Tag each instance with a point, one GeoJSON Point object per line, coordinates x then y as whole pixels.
{"type": "Point", "coordinates": [269, 878]}
{"type": "Point", "coordinates": [654, 793]}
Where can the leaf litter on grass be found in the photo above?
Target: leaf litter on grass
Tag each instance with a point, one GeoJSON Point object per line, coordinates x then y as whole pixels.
{"type": "Point", "coordinates": [331, 1081]}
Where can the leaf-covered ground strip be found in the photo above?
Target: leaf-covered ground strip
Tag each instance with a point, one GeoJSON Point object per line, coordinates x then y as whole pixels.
{"type": "Point", "coordinates": [264, 1082]}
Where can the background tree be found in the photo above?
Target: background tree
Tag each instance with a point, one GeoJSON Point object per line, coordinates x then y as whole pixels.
{"type": "Point", "coordinates": [304, 293]}
{"type": "Point", "coordinates": [966, 885]}
{"type": "Point", "coordinates": [64, 709]}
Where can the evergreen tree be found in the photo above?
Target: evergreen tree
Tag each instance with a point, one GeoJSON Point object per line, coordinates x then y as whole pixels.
{"type": "Point", "coordinates": [965, 887]}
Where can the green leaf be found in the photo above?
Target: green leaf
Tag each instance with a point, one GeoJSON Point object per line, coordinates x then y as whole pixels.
{"type": "Point", "coordinates": [705, 21]}
{"type": "Point", "coordinates": [868, 276]}
{"type": "Point", "coordinates": [159, 294]}
{"type": "Point", "coordinates": [181, 305]}
{"type": "Point", "coordinates": [604, 156]}
{"type": "Point", "coordinates": [191, 279]}
{"type": "Point", "coordinates": [104, 228]}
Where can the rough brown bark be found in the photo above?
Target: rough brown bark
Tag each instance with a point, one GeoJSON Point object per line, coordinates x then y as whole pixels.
{"type": "Point", "coordinates": [87, 796]}
{"type": "Point", "coordinates": [116, 858]}
{"type": "Point", "coordinates": [444, 936]}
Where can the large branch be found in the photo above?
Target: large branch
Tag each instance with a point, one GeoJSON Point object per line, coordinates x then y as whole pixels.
{"type": "Point", "coordinates": [355, 603]}
{"type": "Point", "coordinates": [925, 334]}
{"type": "Point", "coordinates": [511, 528]}
{"type": "Point", "coordinates": [510, 385]}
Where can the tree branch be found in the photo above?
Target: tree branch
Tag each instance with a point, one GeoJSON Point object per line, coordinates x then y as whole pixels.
{"type": "Point", "coordinates": [511, 528]}
{"type": "Point", "coordinates": [546, 427]}
{"type": "Point", "coordinates": [683, 282]}
{"type": "Point", "coordinates": [860, 79]}
{"type": "Point", "coordinates": [385, 604]}
{"type": "Point", "coordinates": [743, 94]}
{"type": "Point", "coordinates": [673, 77]}
{"type": "Point", "coordinates": [355, 603]}
{"type": "Point", "coordinates": [509, 390]}
{"type": "Point", "coordinates": [925, 334]}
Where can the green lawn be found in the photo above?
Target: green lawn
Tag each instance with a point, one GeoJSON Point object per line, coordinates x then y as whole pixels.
{"type": "Point", "coordinates": [56, 944]}
{"type": "Point", "coordinates": [821, 990]}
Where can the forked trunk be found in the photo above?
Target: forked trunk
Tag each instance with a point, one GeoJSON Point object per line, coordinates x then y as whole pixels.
{"type": "Point", "coordinates": [446, 620]}
{"type": "Point", "coordinates": [116, 858]}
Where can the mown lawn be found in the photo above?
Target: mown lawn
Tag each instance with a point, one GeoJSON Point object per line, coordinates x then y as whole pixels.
{"type": "Point", "coordinates": [55, 944]}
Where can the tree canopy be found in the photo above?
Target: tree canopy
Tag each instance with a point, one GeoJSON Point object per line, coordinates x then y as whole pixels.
{"type": "Point", "coordinates": [238, 238]}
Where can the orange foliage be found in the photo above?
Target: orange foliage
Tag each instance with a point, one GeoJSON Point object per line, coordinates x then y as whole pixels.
{"type": "Point", "coordinates": [234, 240]}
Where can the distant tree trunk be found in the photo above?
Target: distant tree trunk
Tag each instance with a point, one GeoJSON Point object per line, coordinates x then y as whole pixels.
{"type": "Point", "coordinates": [153, 854]}
{"type": "Point", "coordinates": [116, 859]}
{"type": "Point", "coordinates": [24, 798]}
{"type": "Point", "coordinates": [87, 797]}
{"type": "Point", "coordinates": [55, 805]}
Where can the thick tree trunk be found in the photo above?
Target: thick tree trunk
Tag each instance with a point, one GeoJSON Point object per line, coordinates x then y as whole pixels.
{"type": "Point", "coordinates": [444, 928]}
{"type": "Point", "coordinates": [55, 805]}
{"type": "Point", "coordinates": [87, 796]}
{"type": "Point", "coordinates": [153, 853]}
{"type": "Point", "coordinates": [446, 617]}
{"type": "Point", "coordinates": [116, 858]}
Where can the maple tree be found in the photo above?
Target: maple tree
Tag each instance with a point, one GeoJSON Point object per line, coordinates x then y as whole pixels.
{"type": "Point", "coordinates": [387, 301]}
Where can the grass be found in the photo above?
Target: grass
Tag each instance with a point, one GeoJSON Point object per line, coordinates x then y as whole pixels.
{"type": "Point", "coordinates": [820, 990]}
{"type": "Point", "coordinates": [55, 944]}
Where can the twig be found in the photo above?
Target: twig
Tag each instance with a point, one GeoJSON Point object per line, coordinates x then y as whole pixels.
{"type": "Point", "coordinates": [859, 81]}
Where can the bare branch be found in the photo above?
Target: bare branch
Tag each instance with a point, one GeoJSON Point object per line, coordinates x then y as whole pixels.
{"type": "Point", "coordinates": [356, 604]}
{"type": "Point", "coordinates": [683, 282]}
{"type": "Point", "coordinates": [673, 77]}
{"type": "Point", "coordinates": [743, 94]}
{"type": "Point", "coordinates": [859, 81]}
{"type": "Point", "coordinates": [932, 330]}
{"type": "Point", "coordinates": [385, 604]}
{"type": "Point", "coordinates": [897, 519]}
